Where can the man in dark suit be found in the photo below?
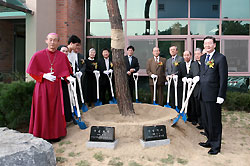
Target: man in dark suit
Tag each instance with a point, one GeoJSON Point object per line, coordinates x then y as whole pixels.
{"type": "Point", "coordinates": [132, 66]}
{"type": "Point", "coordinates": [156, 66]}
{"type": "Point", "coordinates": [213, 87]}
{"type": "Point", "coordinates": [105, 66]}
{"type": "Point", "coordinates": [172, 68]}
{"type": "Point", "coordinates": [185, 71]}
{"type": "Point", "coordinates": [195, 71]}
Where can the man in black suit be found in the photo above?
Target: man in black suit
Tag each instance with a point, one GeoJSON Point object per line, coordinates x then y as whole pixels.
{"type": "Point", "coordinates": [195, 71]}
{"type": "Point", "coordinates": [132, 66]}
{"type": "Point", "coordinates": [213, 87]}
{"type": "Point", "coordinates": [105, 66]}
{"type": "Point", "coordinates": [185, 71]}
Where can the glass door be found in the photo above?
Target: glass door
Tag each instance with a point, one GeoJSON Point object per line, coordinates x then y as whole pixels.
{"type": "Point", "coordinates": [165, 44]}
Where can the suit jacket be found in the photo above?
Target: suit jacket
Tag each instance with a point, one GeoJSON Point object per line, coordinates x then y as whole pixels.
{"type": "Point", "coordinates": [158, 69]}
{"type": "Point", "coordinates": [182, 72]}
{"type": "Point", "coordinates": [213, 80]}
{"type": "Point", "coordinates": [195, 71]}
{"type": "Point", "coordinates": [81, 62]}
{"type": "Point", "coordinates": [134, 63]}
{"type": "Point", "coordinates": [171, 68]}
{"type": "Point", "coordinates": [101, 66]}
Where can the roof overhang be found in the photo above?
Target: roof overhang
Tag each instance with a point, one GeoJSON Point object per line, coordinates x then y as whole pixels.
{"type": "Point", "coordinates": [10, 10]}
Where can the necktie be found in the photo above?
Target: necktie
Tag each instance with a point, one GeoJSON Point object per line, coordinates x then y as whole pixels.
{"type": "Point", "coordinates": [207, 59]}
{"type": "Point", "coordinates": [130, 60]}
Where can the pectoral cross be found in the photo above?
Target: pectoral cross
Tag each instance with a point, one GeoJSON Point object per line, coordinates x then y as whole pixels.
{"type": "Point", "coordinates": [51, 69]}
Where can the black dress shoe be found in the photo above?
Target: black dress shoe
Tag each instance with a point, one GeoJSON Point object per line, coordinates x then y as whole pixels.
{"type": "Point", "coordinates": [205, 145]}
{"type": "Point", "coordinates": [213, 152]}
{"type": "Point", "coordinates": [200, 127]}
{"type": "Point", "coordinates": [203, 133]}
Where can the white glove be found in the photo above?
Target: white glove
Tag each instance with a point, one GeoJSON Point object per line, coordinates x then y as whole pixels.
{"type": "Point", "coordinates": [196, 79]}
{"type": "Point", "coordinates": [110, 71]}
{"type": "Point", "coordinates": [70, 79]}
{"type": "Point", "coordinates": [184, 79]}
{"type": "Point", "coordinates": [153, 76]}
{"type": "Point", "coordinates": [78, 74]}
{"type": "Point", "coordinates": [96, 72]}
{"type": "Point", "coordinates": [106, 72]}
{"type": "Point", "coordinates": [189, 80]}
{"type": "Point", "coordinates": [220, 100]}
{"type": "Point", "coordinates": [49, 76]}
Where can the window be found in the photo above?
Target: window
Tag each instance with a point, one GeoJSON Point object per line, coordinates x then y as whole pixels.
{"type": "Point", "coordinates": [97, 9]}
{"type": "Point", "coordinates": [98, 44]}
{"type": "Point", "coordinates": [173, 27]}
{"type": "Point", "coordinates": [235, 27]}
{"type": "Point", "coordinates": [204, 27]}
{"type": "Point", "coordinates": [205, 9]}
{"type": "Point", "coordinates": [236, 52]}
{"type": "Point", "coordinates": [135, 28]}
{"type": "Point", "coordinates": [173, 9]}
{"type": "Point", "coordinates": [235, 9]}
{"type": "Point", "coordinates": [143, 50]}
{"type": "Point", "coordinates": [140, 9]}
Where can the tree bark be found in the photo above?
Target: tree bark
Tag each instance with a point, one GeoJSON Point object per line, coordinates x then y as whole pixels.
{"type": "Point", "coordinates": [123, 96]}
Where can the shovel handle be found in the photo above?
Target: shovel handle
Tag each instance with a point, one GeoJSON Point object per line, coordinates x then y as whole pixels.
{"type": "Point", "coordinates": [111, 84]}
{"type": "Point", "coordinates": [97, 76]}
{"type": "Point", "coordinates": [135, 76]}
{"type": "Point", "coordinates": [169, 84]}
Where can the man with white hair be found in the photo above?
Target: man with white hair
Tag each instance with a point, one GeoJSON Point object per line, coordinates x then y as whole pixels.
{"type": "Point", "coordinates": [47, 111]}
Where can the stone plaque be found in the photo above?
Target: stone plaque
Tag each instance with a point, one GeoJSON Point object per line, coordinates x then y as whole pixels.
{"type": "Point", "coordinates": [102, 134]}
{"type": "Point", "coordinates": [151, 133]}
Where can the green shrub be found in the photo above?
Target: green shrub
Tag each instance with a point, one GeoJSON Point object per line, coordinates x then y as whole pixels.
{"type": "Point", "coordinates": [15, 104]}
{"type": "Point", "coordinates": [236, 101]}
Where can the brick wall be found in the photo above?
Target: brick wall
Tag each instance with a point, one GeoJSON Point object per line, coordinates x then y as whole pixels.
{"type": "Point", "coordinates": [70, 19]}
{"type": "Point", "coordinates": [6, 46]}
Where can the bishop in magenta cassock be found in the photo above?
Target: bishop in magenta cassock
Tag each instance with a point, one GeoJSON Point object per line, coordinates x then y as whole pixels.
{"type": "Point", "coordinates": [47, 66]}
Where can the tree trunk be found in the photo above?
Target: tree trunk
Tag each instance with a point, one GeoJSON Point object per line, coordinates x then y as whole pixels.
{"type": "Point", "coordinates": [123, 96]}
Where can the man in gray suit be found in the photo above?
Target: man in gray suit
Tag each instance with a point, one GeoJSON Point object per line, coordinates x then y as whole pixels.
{"type": "Point", "coordinates": [172, 67]}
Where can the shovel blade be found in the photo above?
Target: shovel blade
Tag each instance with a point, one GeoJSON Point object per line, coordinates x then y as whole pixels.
{"type": "Point", "coordinates": [176, 120]}
{"type": "Point", "coordinates": [84, 108]}
{"type": "Point", "coordinates": [182, 114]}
{"type": "Point", "coordinates": [113, 101]}
{"type": "Point", "coordinates": [98, 103]}
{"type": "Point", "coordinates": [81, 124]}
{"type": "Point", "coordinates": [154, 103]}
{"type": "Point", "coordinates": [167, 105]}
{"type": "Point", "coordinates": [137, 101]}
{"type": "Point", "coordinates": [184, 118]}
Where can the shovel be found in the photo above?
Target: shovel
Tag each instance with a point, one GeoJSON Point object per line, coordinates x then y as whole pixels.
{"type": "Point", "coordinates": [135, 76]}
{"type": "Point", "coordinates": [195, 80]}
{"type": "Point", "coordinates": [113, 100]}
{"type": "Point", "coordinates": [81, 124]}
{"type": "Point", "coordinates": [71, 104]}
{"type": "Point", "coordinates": [184, 80]}
{"type": "Point", "coordinates": [175, 78]}
{"type": "Point", "coordinates": [84, 107]}
{"type": "Point", "coordinates": [184, 116]}
{"type": "Point", "coordinates": [155, 81]}
{"type": "Point", "coordinates": [169, 79]}
{"type": "Point", "coordinates": [97, 76]}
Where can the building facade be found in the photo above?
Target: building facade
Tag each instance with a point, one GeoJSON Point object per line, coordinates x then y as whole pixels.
{"type": "Point", "coordinates": [146, 23]}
